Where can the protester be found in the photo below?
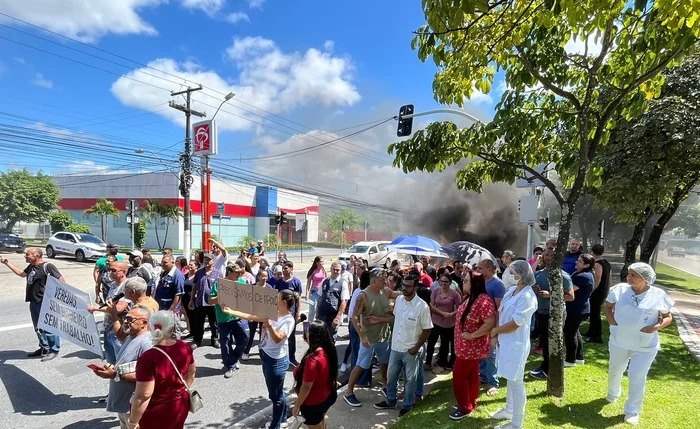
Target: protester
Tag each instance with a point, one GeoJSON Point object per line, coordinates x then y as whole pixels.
{"type": "Point", "coordinates": [412, 327]}
{"type": "Point", "coordinates": [314, 277]}
{"type": "Point", "coordinates": [354, 338]}
{"type": "Point", "coordinates": [188, 286]}
{"type": "Point", "coordinates": [601, 288]}
{"type": "Point", "coordinates": [221, 255]}
{"type": "Point", "coordinates": [137, 267]}
{"type": "Point", "coordinates": [332, 300]}
{"type": "Point", "coordinates": [636, 312]}
{"type": "Point", "coordinates": [289, 282]}
{"type": "Point", "coordinates": [316, 378]}
{"type": "Point", "coordinates": [506, 259]}
{"type": "Point", "coordinates": [274, 352]}
{"type": "Point", "coordinates": [122, 375]}
{"type": "Point", "coordinates": [262, 281]}
{"type": "Point", "coordinates": [171, 286]}
{"type": "Point", "coordinates": [496, 290]}
{"type": "Point", "coordinates": [577, 309]}
{"type": "Point", "coordinates": [199, 303]}
{"type": "Point", "coordinates": [254, 264]}
{"type": "Point", "coordinates": [475, 318]}
{"type": "Point", "coordinates": [135, 291]}
{"type": "Point", "coordinates": [513, 337]}
{"type": "Point", "coordinates": [181, 264]}
{"type": "Point", "coordinates": [164, 374]}
{"type": "Point", "coordinates": [37, 273]}
{"type": "Point", "coordinates": [373, 327]}
{"type": "Point", "coordinates": [116, 296]}
{"type": "Point", "coordinates": [100, 272]}
{"type": "Point", "coordinates": [570, 258]}
{"type": "Point", "coordinates": [536, 260]}
{"type": "Point", "coordinates": [444, 302]}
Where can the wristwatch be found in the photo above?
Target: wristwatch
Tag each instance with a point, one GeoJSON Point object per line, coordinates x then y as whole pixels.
{"type": "Point", "coordinates": [117, 374]}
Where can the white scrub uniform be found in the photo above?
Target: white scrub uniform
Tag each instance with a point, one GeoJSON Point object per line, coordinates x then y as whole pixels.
{"type": "Point", "coordinates": [628, 344]}
{"type": "Point", "coordinates": [514, 347]}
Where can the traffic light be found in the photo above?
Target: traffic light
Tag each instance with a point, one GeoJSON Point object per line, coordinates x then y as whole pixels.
{"type": "Point", "coordinates": [182, 187]}
{"type": "Point", "coordinates": [277, 219]}
{"type": "Point", "coordinates": [405, 125]}
{"type": "Point", "coordinates": [283, 217]}
{"type": "Point", "coordinates": [601, 229]}
{"type": "Point", "coordinates": [544, 223]}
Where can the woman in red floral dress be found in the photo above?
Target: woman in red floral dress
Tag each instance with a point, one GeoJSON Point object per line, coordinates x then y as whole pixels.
{"type": "Point", "coordinates": [474, 319]}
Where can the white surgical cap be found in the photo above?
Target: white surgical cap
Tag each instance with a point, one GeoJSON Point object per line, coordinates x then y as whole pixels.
{"type": "Point", "coordinates": [524, 270]}
{"type": "Point", "coordinates": [645, 271]}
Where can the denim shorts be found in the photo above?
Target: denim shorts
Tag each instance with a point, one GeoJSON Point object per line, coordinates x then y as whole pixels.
{"type": "Point", "coordinates": [382, 350]}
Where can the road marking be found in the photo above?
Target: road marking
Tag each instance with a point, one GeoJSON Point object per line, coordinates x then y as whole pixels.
{"type": "Point", "coordinates": [13, 327]}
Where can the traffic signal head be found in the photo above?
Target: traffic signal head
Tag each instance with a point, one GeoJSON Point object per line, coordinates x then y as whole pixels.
{"type": "Point", "coordinates": [601, 229]}
{"type": "Point", "coordinates": [283, 217]}
{"type": "Point", "coordinates": [405, 125]}
{"type": "Point", "coordinates": [544, 223]}
{"type": "Point", "coordinates": [277, 219]}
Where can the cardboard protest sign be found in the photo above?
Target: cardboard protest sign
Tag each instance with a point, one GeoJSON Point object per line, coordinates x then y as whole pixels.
{"type": "Point", "coordinates": [248, 299]}
{"type": "Point", "coordinates": [64, 313]}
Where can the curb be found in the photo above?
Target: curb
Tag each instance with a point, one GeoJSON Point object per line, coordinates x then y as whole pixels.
{"type": "Point", "coordinates": [686, 332]}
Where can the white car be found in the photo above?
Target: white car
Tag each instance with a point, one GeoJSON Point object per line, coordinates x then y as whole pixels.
{"type": "Point", "coordinates": [372, 253]}
{"type": "Point", "coordinates": [81, 246]}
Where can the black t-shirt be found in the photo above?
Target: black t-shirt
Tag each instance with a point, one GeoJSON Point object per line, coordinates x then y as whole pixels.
{"type": "Point", "coordinates": [36, 280]}
{"type": "Point", "coordinates": [604, 287]}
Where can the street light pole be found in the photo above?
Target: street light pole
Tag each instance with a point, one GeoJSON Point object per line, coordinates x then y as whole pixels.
{"type": "Point", "coordinates": [206, 187]}
{"type": "Point", "coordinates": [186, 163]}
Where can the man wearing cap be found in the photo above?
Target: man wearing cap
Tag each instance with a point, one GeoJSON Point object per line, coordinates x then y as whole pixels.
{"type": "Point", "coordinates": [199, 303]}
{"type": "Point", "coordinates": [220, 255]}
{"type": "Point", "coordinates": [171, 286]}
{"type": "Point", "coordinates": [137, 269]}
{"type": "Point", "coordinates": [98, 274]}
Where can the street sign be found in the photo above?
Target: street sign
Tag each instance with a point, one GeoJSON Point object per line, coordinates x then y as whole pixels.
{"type": "Point", "coordinates": [528, 209]}
{"type": "Point", "coordinates": [300, 222]}
{"type": "Point", "coordinates": [128, 219]}
{"type": "Point", "coordinates": [205, 141]}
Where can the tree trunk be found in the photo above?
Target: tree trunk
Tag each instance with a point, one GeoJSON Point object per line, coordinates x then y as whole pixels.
{"type": "Point", "coordinates": [637, 236]}
{"type": "Point", "coordinates": [9, 226]}
{"type": "Point", "coordinates": [555, 381]}
{"type": "Point", "coordinates": [104, 228]}
{"type": "Point", "coordinates": [167, 226]}
{"type": "Point", "coordinates": [654, 235]}
{"type": "Point", "coordinates": [155, 228]}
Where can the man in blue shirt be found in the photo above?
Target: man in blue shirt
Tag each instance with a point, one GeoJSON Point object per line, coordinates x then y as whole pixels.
{"type": "Point", "coordinates": [496, 290]}
{"type": "Point", "coordinates": [171, 286]}
{"type": "Point", "coordinates": [288, 281]}
{"type": "Point", "coordinates": [570, 257]}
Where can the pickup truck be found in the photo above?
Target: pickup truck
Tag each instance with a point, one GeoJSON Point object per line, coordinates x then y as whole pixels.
{"type": "Point", "coordinates": [372, 253]}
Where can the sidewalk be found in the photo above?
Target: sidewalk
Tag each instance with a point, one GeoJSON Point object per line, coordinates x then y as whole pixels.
{"type": "Point", "coordinates": [686, 313]}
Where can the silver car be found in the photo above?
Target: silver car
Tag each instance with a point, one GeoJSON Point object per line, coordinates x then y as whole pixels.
{"type": "Point", "coordinates": [81, 246]}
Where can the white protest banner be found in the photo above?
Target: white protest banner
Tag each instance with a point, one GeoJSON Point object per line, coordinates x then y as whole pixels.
{"type": "Point", "coordinates": [248, 299]}
{"type": "Point", "coordinates": [64, 313]}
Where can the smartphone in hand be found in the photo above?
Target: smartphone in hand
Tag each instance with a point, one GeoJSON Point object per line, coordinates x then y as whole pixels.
{"type": "Point", "coordinates": [94, 367]}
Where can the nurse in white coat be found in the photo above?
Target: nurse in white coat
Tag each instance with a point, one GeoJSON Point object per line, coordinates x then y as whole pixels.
{"type": "Point", "coordinates": [636, 311]}
{"type": "Point", "coordinates": [513, 336]}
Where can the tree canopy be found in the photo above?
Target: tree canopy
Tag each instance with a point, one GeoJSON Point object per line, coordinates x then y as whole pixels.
{"type": "Point", "coordinates": [25, 197]}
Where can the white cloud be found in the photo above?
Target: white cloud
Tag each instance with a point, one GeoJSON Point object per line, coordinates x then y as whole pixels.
{"type": "Point", "coordinates": [328, 45]}
{"type": "Point", "coordinates": [237, 17]}
{"type": "Point", "coordinates": [582, 45]}
{"type": "Point", "coordinates": [256, 4]}
{"type": "Point", "coordinates": [40, 80]}
{"type": "Point", "coordinates": [84, 20]}
{"type": "Point", "coordinates": [90, 167]}
{"type": "Point", "coordinates": [210, 7]}
{"type": "Point", "coordinates": [268, 79]}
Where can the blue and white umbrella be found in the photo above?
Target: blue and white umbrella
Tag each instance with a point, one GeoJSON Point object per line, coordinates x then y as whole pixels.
{"type": "Point", "coordinates": [417, 245]}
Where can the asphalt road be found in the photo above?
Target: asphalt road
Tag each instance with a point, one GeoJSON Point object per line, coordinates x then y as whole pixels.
{"type": "Point", "coordinates": [63, 393]}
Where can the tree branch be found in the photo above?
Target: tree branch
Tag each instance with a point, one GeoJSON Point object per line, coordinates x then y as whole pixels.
{"type": "Point", "coordinates": [546, 82]}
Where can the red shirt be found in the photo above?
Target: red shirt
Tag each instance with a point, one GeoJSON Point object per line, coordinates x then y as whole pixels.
{"type": "Point", "coordinates": [426, 280]}
{"type": "Point", "coordinates": [478, 348]}
{"type": "Point", "coordinates": [316, 371]}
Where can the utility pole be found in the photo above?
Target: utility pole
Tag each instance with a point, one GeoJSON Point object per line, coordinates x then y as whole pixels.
{"type": "Point", "coordinates": [186, 163]}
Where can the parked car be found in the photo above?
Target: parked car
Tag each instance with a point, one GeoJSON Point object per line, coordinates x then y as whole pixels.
{"type": "Point", "coordinates": [81, 246]}
{"type": "Point", "coordinates": [675, 251]}
{"type": "Point", "coordinates": [372, 253]}
{"type": "Point", "coordinates": [11, 243]}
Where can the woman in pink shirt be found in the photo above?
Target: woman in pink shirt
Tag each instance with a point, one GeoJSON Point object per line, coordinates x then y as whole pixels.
{"type": "Point", "coordinates": [444, 302]}
{"type": "Point", "coordinates": [314, 277]}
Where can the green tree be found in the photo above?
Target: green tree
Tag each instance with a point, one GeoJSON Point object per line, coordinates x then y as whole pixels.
{"type": "Point", "coordinates": [102, 209]}
{"type": "Point", "coordinates": [59, 220]}
{"type": "Point", "coordinates": [25, 198]}
{"type": "Point", "coordinates": [559, 105]}
{"type": "Point", "coordinates": [341, 221]}
{"type": "Point", "coordinates": [653, 162]}
{"type": "Point", "coordinates": [157, 212]}
{"type": "Point", "coordinates": [78, 227]}
{"type": "Point", "coordinates": [140, 233]}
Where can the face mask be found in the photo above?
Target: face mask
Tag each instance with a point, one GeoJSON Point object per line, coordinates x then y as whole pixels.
{"type": "Point", "coordinates": [509, 279]}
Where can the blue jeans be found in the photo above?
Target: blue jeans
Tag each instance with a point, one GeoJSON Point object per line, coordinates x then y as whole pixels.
{"type": "Point", "coordinates": [313, 299]}
{"type": "Point", "coordinates": [47, 341]}
{"type": "Point", "coordinates": [274, 371]}
{"type": "Point", "coordinates": [366, 377]}
{"type": "Point", "coordinates": [229, 332]}
{"type": "Point", "coordinates": [487, 368]}
{"type": "Point", "coordinates": [411, 365]}
{"type": "Point", "coordinates": [112, 346]}
{"type": "Point", "coordinates": [253, 327]}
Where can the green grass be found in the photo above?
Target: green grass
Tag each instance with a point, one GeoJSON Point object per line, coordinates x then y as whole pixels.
{"type": "Point", "coordinates": [671, 400]}
{"type": "Point", "coordinates": [676, 279]}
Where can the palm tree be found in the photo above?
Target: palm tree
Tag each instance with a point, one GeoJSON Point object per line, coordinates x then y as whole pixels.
{"type": "Point", "coordinates": [151, 213]}
{"type": "Point", "coordinates": [170, 213]}
{"type": "Point", "coordinates": [103, 208]}
{"type": "Point", "coordinates": [155, 211]}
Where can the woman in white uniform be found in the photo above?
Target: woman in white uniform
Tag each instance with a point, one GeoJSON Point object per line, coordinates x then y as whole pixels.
{"type": "Point", "coordinates": [636, 311]}
{"type": "Point", "coordinates": [513, 336]}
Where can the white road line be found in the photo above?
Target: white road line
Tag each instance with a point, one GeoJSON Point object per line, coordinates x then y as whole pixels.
{"type": "Point", "coordinates": [13, 327]}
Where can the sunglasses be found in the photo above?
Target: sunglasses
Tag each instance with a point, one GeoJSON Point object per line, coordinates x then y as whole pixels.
{"type": "Point", "coordinates": [114, 270]}
{"type": "Point", "coordinates": [130, 319]}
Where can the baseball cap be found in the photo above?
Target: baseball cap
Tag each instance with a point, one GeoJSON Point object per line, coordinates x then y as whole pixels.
{"type": "Point", "coordinates": [278, 269]}
{"type": "Point", "coordinates": [136, 253]}
{"type": "Point", "coordinates": [210, 256]}
{"type": "Point", "coordinates": [112, 246]}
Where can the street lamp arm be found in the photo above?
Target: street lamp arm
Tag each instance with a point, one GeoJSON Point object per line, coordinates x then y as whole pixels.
{"type": "Point", "coordinates": [430, 112]}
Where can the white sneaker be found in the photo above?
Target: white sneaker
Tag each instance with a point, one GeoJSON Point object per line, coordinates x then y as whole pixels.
{"type": "Point", "coordinates": [238, 365]}
{"type": "Point", "coordinates": [502, 414]}
{"type": "Point", "coordinates": [505, 426]}
{"type": "Point", "coordinates": [343, 367]}
{"type": "Point", "coordinates": [245, 356]}
{"type": "Point", "coordinates": [611, 399]}
{"type": "Point", "coordinates": [568, 364]}
{"type": "Point", "coordinates": [632, 419]}
{"type": "Point", "coordinates": [580, 361]}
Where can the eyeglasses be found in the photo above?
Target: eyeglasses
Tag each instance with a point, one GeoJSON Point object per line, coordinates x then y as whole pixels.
{"type": "Point", "coordinates": [114, 270]}
{"type": "Point", "coordinates": [131, 319]}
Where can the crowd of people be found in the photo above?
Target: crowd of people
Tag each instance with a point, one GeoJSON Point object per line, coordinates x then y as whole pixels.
{"type": "Point", "coordinates": [483, 317]}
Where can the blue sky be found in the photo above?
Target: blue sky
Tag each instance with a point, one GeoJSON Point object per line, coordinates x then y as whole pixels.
{"type": "Point", "coordinates": [302, 72]}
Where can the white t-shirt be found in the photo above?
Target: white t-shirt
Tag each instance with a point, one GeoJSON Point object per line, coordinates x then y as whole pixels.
{"type": "Point", "coordinates": [347, 276]}
{"type": "Point", "coordinates": [353, 301]}
{"type": "Point", "coordinates": [220, 263]}
{"type": "Point", "coordinates": [410, 319]}
{"type": "Point", "coordinates": [277, 350]}
{"type": "Point", "coordinates": [635, 311]}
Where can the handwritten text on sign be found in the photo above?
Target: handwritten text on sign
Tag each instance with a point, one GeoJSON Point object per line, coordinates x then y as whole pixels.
{"type": "Point", "coordinates": [64, 313]}
{"type": "Point", "coordinates": [251, 299]}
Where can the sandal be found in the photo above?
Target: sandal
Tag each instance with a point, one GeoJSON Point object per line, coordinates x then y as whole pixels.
{"type": "Point", "coordinates": [492, 391]}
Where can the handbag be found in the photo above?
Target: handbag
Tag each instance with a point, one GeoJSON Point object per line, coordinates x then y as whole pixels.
{"type": "Point", "coordinates": [196, 402]}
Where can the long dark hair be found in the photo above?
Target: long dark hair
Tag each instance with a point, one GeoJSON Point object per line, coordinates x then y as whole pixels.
{"type": "Point", "coordinates": [589, 260]}
{"type": "Point", "coordinates": [478, 287]}
{"type": "Point", "coordinates": [313, 267]}
{"type": "Point", "coordinates": [319, 337]}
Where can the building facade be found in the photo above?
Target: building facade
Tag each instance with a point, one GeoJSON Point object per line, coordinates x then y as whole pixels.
{"type": "Point", "coordinates": [238, 209]}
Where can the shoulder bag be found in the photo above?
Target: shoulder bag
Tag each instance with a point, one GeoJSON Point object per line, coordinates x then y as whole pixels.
{"type": "Point", "coordinates": [196, 402]}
